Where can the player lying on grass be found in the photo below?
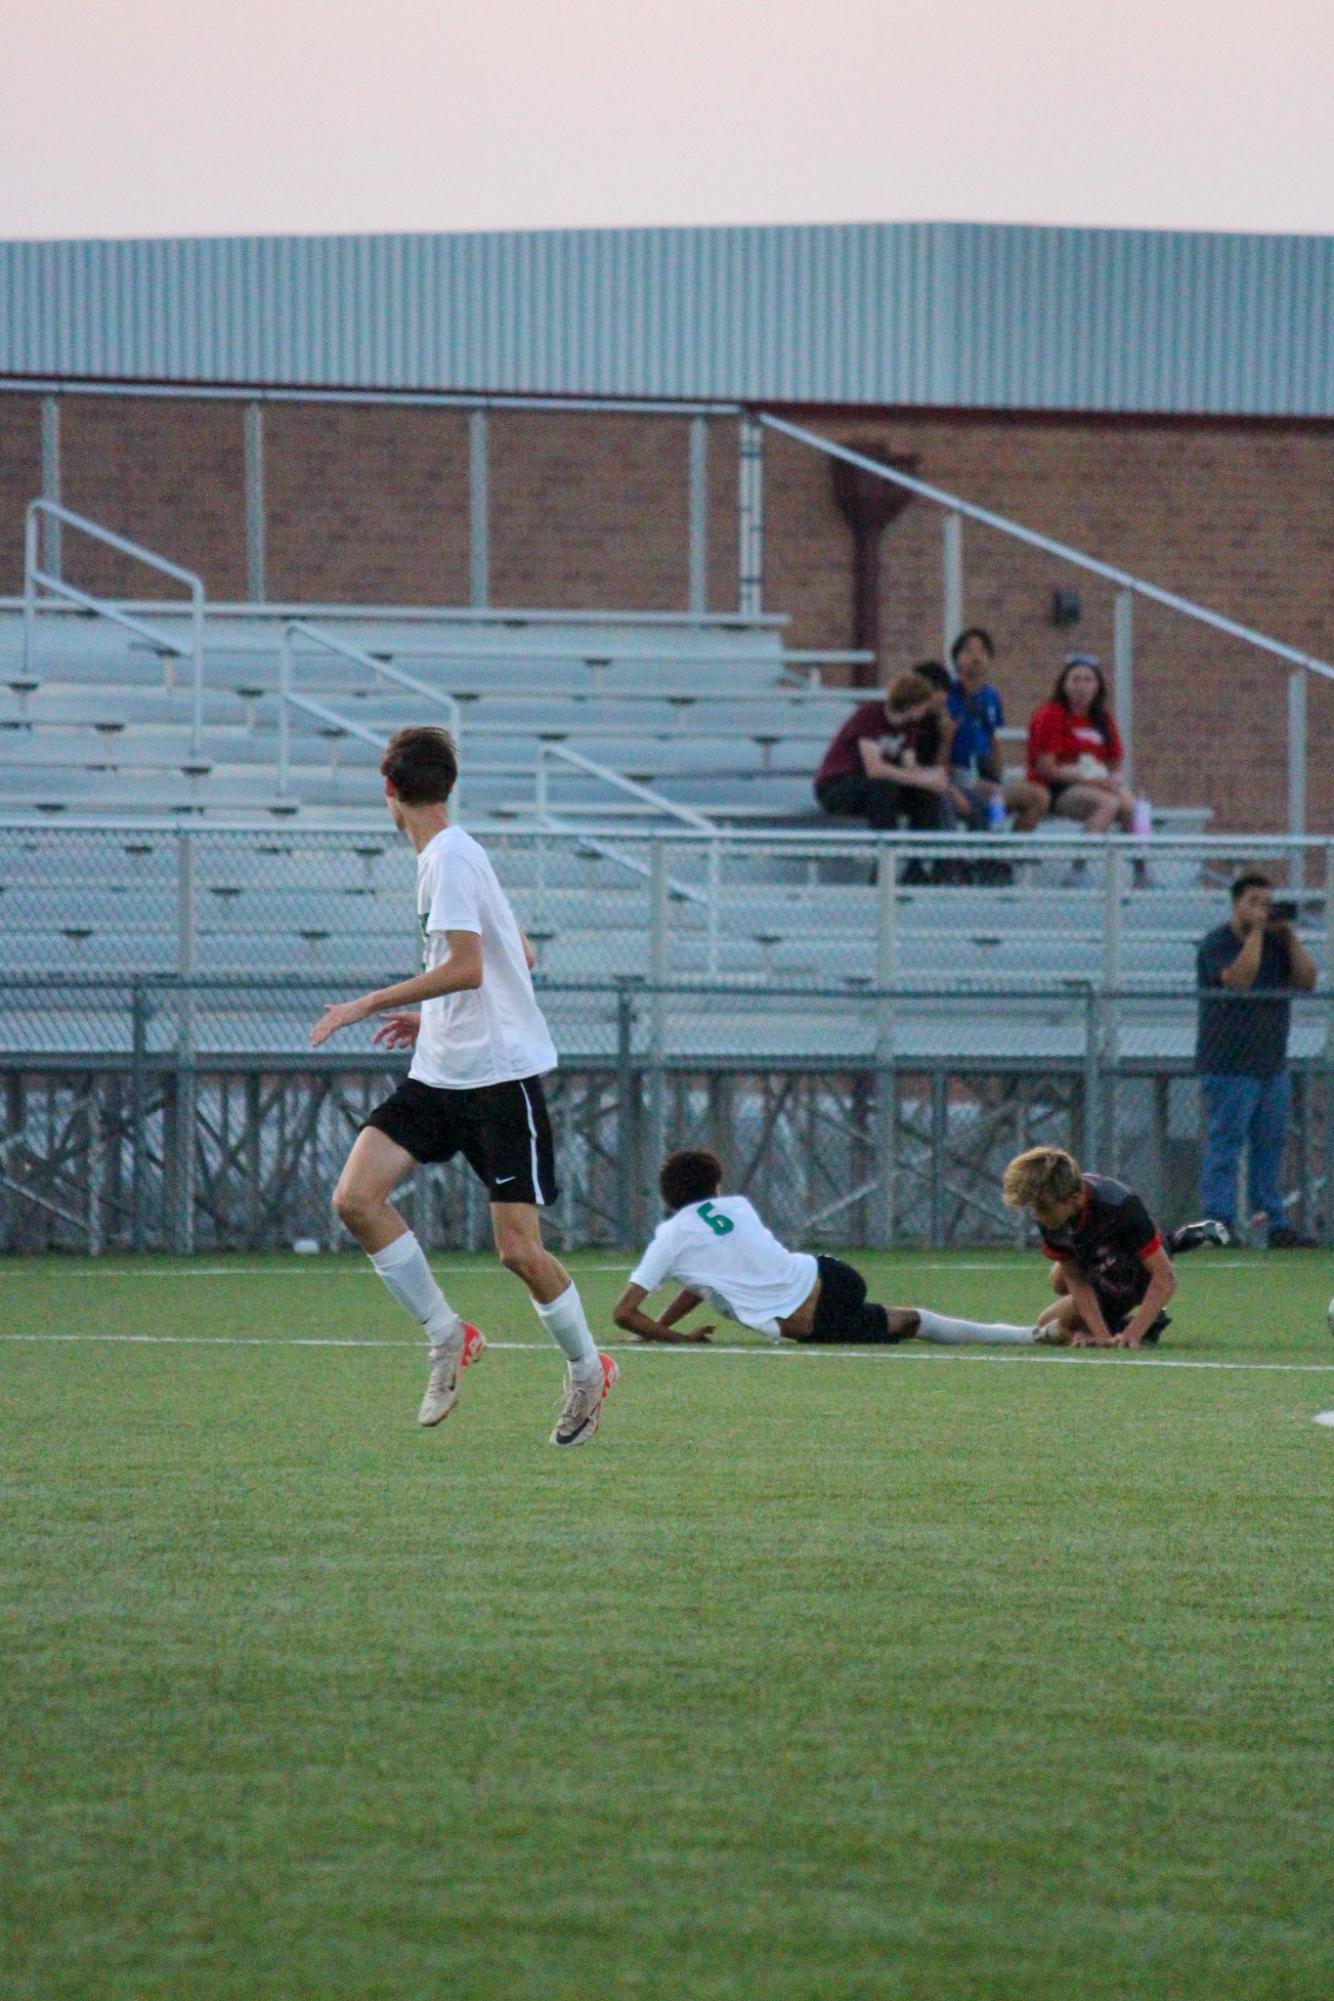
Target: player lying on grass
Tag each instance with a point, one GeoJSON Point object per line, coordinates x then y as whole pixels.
{"type": "Point", "coordinates": [1110, 1267]}
{"type": "Point", "coordinates": [480, 1049]}
{"type": "Point", "coordinates": [716, 1248]}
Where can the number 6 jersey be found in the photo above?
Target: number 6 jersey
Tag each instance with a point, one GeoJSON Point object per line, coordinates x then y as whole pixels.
{"type": "Point", "coordinates": [721, 1250]}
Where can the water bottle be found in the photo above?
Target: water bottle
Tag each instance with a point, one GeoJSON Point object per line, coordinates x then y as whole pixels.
{"type": "Point", "coordinates": [1141, 819]}
{"type": "Point", "coordinates": [996, 815]}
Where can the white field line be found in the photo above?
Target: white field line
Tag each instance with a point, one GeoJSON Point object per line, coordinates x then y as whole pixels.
{"type": "Point", "coordinates": [324, 1267]}
{"type": "Point", "coordinates": [793, 1353]}
{"type": "Point", "coordinates": [312, 1268]}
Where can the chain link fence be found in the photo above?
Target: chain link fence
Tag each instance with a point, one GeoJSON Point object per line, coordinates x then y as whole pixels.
{"type": "Point", "coordinates": [864, 1027]}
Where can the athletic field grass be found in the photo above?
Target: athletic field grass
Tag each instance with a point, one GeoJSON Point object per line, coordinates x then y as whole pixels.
{"type": "Point", "coordinates": [904, 1673]}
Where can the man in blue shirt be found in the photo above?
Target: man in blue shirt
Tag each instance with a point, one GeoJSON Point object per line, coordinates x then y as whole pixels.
{"type": "Point", "coordinates": [975, 706]}
{"type": "Point", "coordinates": [1245, 969]}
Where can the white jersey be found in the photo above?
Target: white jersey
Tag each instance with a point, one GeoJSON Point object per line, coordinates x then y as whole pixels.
{"type": "Point", "coordinates": [721, 1250]}
{"type": "Point", "coordinates": [489, 1034]}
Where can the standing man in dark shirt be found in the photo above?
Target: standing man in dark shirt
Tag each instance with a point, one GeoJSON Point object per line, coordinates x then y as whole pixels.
{"type": "Point", "coordinates": [1110, 1267]}
{"type": "Point", "coordinates": [885, 764]}
{"type": "Point", "coordinates": [1245, 968]}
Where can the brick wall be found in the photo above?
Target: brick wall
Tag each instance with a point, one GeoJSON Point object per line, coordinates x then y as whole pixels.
{"type": "Point", "coordinates": [20, 480]}
{"type": "Point", "coordinates": [1238, 516]}
{"type": "Point", "coordinates": [370, 503]}
{"type": "Point", "coordinates": [365, 503]}
{"type": "Point", "coordinates": [165, 472]}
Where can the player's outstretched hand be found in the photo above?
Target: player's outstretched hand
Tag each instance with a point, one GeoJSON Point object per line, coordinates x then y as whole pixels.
{"type": "Point", "coordinates": [1125, 1341]}
{"type": "Point", "coordinates": [338, 1014]}
{"type": "Point", "coordinates": [398, 1031]}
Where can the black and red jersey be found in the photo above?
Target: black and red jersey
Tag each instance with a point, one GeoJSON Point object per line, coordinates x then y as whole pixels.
{"type": "Point", "coordinates": [1110, 1240]}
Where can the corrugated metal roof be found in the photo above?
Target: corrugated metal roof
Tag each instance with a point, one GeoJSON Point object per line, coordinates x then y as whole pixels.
{"type": "Point", "coordinates": [916, 313]}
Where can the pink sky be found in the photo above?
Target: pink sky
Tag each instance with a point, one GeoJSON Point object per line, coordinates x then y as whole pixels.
{"type": "Point", "coordinates": [201, 117]}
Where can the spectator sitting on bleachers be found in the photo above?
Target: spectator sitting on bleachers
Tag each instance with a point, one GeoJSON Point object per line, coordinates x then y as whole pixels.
{"type": "Point", "coordinates": [937, 677]}
{"type": "Point", "coordinates": [885, 763]}
{"type": "Point", "coordinates": [975, 706]}
{"type": "Point", "coordinates": [1074, 750]}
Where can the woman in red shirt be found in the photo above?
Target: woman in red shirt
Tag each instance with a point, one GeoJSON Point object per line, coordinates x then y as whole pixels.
{"type": "Point", "coordinates": [1074, 749]}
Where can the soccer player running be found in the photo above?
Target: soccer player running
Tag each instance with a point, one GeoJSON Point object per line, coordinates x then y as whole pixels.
{"type": "Point", "coordinates": [716, 1248]}
{"type": "Point", "coordinates": [1110, 1267]}
{"type": "Point", "coordinates": [480, 1048]}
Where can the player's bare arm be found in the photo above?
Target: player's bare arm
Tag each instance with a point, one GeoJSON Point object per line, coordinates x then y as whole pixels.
{"type": "Point", "coordinates": [1302, 968]}
{"type": "Point", "coordinates": [455, 974]}
{"type": "Point", "coordinates": [628, 1313]}
{"type": "Point", "coordinates": [1091, 1330]}
{"type": "Point", "coordinates": [1162, 1284]}
{"type": "Point", "coordinates": [1243, 971]}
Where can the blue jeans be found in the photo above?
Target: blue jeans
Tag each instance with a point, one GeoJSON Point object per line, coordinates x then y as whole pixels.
{"type": "Point", "coordinates": [1238, 1108]}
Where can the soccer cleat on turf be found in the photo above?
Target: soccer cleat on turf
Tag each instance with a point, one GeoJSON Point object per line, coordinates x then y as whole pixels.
{"type": "Point", "coordinates": [474, 1343]}
{"type": "Point", "coordinates": [581, 1412]}
{"type": "Point", "coordinates": [1051, 1334]}
{"type": "Point", "coordinates": [1191, 1236]}
{"type": "Point", "coordinates": [448, 1362]}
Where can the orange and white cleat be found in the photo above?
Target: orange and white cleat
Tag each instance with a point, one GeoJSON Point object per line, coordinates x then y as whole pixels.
{"type": "Point", "coordinates": [581, 1412]}
{"type": "Point", "coordinates": [448, 1362]}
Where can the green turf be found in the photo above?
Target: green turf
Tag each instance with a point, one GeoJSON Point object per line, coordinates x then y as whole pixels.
{"type": "Point", "coordinates": [873, 1676]}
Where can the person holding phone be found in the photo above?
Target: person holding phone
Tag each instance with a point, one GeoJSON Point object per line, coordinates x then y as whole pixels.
{"type": "Point", "coordinates": [1246, 969]}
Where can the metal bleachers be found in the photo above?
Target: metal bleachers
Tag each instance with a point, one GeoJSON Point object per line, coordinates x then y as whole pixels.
{"type": "Point", "coordinates": [125, 850]}
{"type": "Point", "coordinates": [98, 719]}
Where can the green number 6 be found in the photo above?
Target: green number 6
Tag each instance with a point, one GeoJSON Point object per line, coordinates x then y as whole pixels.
{"type": "Point", "coordinates": [720, 1225]}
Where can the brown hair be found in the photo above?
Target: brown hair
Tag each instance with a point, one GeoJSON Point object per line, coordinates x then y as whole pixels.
{"type": "Point", "coordinates": [690, 1176]}
{"type": "Point", "coordinates": [908, 691]}
{"type": "Point", "coordinates": [422, 765]}
{"type": "Point", "coordinates": [1044, 1176]}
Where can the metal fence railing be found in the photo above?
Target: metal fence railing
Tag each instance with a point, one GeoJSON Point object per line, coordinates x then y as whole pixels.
{"type": "Point", "coordinates": [154, 1112]}
{"type": "Point", "coordinates": [88, 897]}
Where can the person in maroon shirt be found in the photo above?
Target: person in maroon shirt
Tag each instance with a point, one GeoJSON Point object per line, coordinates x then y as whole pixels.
{"type": "Point", "coordinates": [1074, 749]}
{"type": "Point", "coordinates": [886, 764]}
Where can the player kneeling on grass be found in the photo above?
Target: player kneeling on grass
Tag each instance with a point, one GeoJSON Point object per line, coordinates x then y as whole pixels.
{"type": "Point", "coordinates": [1110, 1266]}
{"type": "Point", "coordinates": [480, 1048]}
{"type": "Point", "coordinates": [716, 1248]}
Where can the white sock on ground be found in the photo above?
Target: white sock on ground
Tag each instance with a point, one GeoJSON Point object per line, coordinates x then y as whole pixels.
{"type": "Point", "coordinates": [403, 1267]}
{"type": "Point", "coordinates": [565, 1323]}
{"type": "Point", "coordinates": [954, 1333]}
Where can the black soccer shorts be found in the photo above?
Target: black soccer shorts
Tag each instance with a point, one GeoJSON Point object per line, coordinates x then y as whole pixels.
{"type": "Point", "coordinates": [842, 1314]}
{"type": "Point", "coordinates": [502, 1131]}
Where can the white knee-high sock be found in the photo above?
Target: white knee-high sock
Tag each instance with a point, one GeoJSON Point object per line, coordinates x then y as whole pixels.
{"type": "Point", "coordinates": [954, 1333]}
{"type": "Point", "coordinates": [564, 1321]}
{"type": "Point", "coordinates": [403, 1267]}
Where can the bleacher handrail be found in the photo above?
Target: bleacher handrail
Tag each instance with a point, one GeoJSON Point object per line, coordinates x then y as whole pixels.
{"type": "Point", "coordinates": [559, 753]}
{"type": "Point", "coordinates": [35, 576]}
{"type": "Point", "coordinates": [329, 642]}
{"type": "Point", "coordinates": [1128, 587]}
{"type": "Point", "coordinates": [1077, 558]}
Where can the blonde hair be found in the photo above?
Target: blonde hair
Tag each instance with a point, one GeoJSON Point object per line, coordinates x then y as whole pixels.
{"type": "Point", "coordinates": [908, 691]}
{"type": "Point", "coordinates": [1044, 1176]}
